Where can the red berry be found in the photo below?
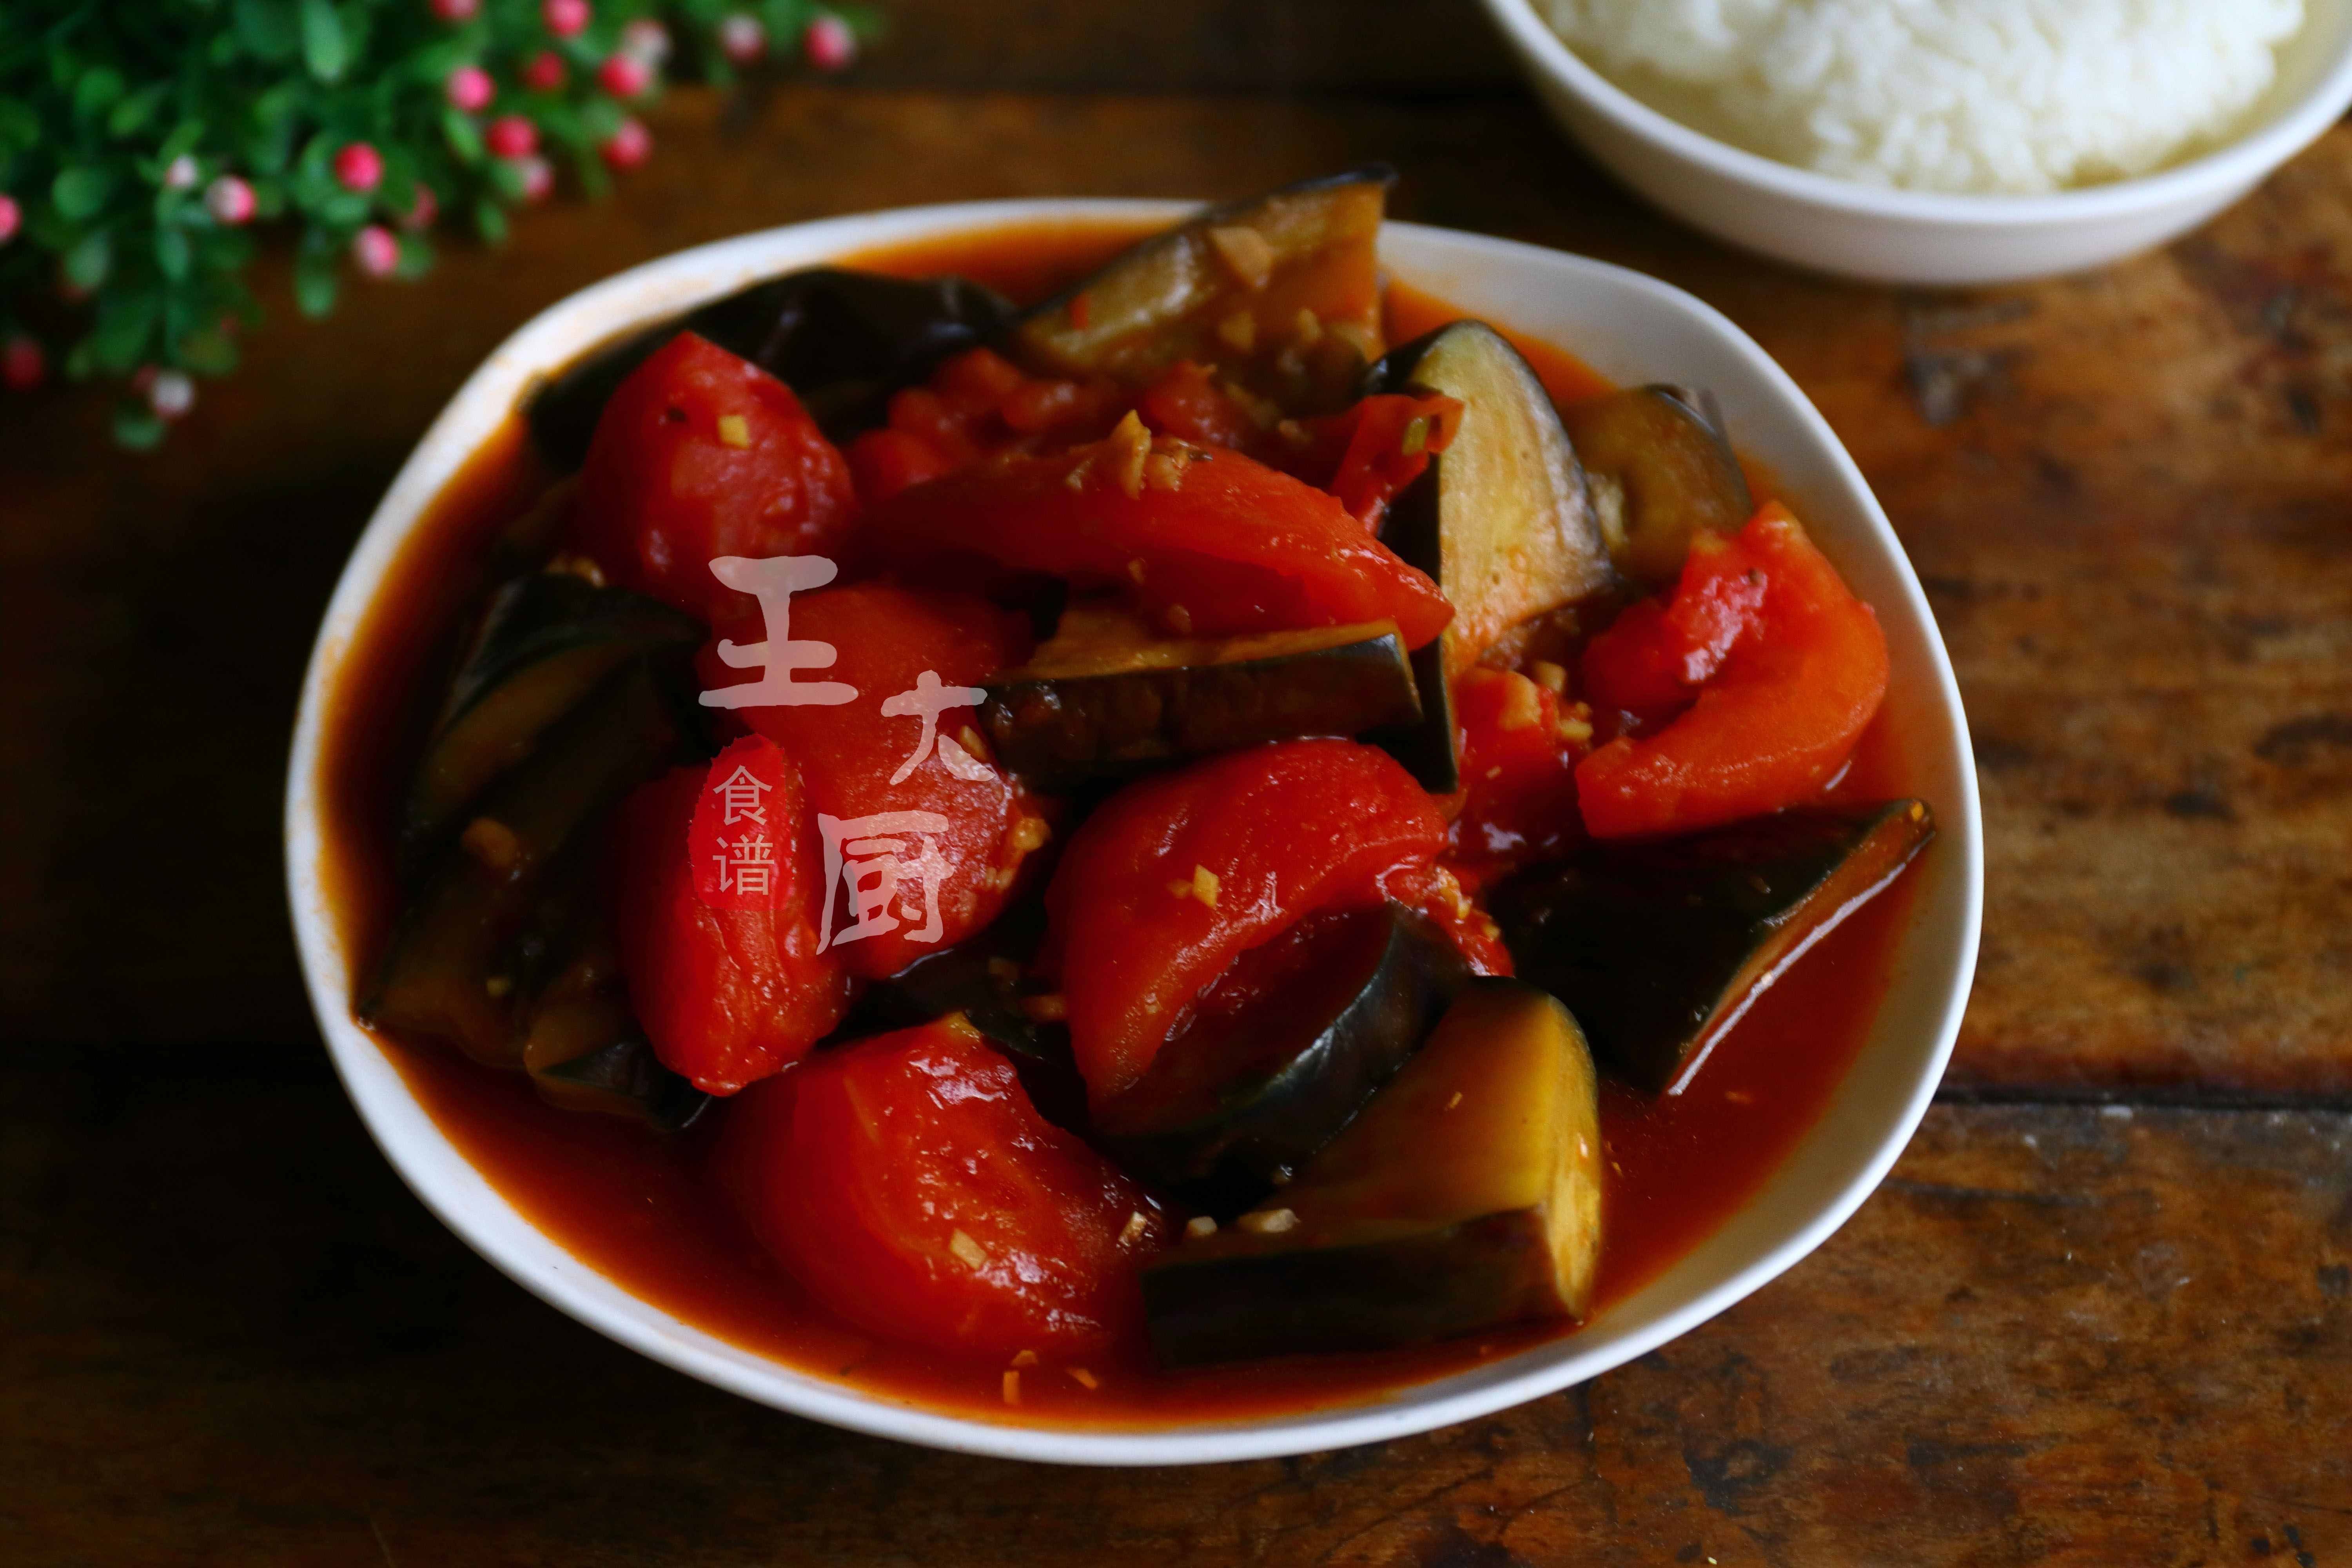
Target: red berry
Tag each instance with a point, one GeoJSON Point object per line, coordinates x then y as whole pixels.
{"type": "Point", "coordinates": [23, 365]}
{"type": "Point", "coordinates": [647, 40]}
{"type": "Point", "coordinates": [829, 43]}
{"type": "Point", "coordinates": [628, 146]}
{"type": "Point", "coordinates": [625, 76]}
{"type": "Point", "coordinates": [170, 392]}
{"type": "Point", "coordinates": [376, 251]}
{"type": "Point", "coordinates": [565, 18]}
{"type": "Point", "coordinates": [471, 88]}
{"type": "Point", "coordinates": [512, 136]}
{"type": "Point", "coordinates": [543, 72]}
{"type": "Point", "coordinates": [741, 38]}
{"type": "Point", "coordinates": [538, 178]}
{"type": "Point", "coordinates": [359, 167]}
{"type": "Point", "coordinates": [229, 199]}
{"type": "Point", "coordinates": [180, 174]}
{"type": "Point", "coordinates": [12, 217]}
{"type": "Point", "coordinates": [423, 210]}
{"type": "Point", "coordinates": [456, 10]}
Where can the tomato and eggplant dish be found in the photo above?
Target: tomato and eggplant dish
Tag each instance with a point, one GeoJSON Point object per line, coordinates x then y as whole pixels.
{"type": "Point", "coordinates": [1126, 828]}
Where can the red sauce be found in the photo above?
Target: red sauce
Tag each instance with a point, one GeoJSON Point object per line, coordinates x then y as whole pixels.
{"type": "Point", "coordinates": [637, 1208]}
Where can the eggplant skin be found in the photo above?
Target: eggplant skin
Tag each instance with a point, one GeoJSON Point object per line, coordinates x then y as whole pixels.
{"type": "Point", "coordinates": [841, 341]}
{"type": "Point", "coordinates": [1658, 946]}
{"type": "Point", "coordinates": [1412, 1289]}
{"type": "Point", "coordinates": [1170, 700]}
{"type": "Point", "coordinates": [1503, 519]}
{"type": "Point", "coordinates": [1466, 1196]}
{"type": "Point", "coordinates": [1160, 300]}
{"type": "Point", "coordinates": [1222, 1117]}
{"type": "Point", "coordinates": [546, 641]}
{"type": "Point", "coordinates": [1660, 455]}
{"type": "Point", "coordinates": [450, 970]}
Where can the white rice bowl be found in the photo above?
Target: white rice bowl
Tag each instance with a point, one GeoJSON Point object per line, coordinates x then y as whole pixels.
{"type": "Point", "coordinates": [2011, 97]}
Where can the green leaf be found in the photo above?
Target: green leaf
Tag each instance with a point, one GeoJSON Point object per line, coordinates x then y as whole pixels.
{"type": "Point", "coordinates": [598, 117]}
{"type": "Point", "coordinates": [125, 325]}
{"type": "Point", "coordinates": [267, 27]}
{"type": "Point", "coordinates": [95, 90]}
{"type": "Point", "coordinates": [416, 256]}
{"type": "Point", "coordinates": [87, 264]}
{"type": "Point", "coordinates": [507, 178]}
{"type": "Point", "coordinates": [81, 193]}
{"type": "Point", "coordinates": [172, 255]}
{"type": "Point", "coordinates": [344, 209]}
{"type": "Point", "coordinates": [136, 426]}
{"type": "Point", "coordinates": [491, 221]}
{"type": "Point", "coordinates": [464, 138]}
{"type": "Point", "coordinates": [210, 353]}
{"type": "Point", "coordinates": [133, 112]}
{"type": "Point", "coordinates": [315, 282]}
{"type": "Point", "coordinates": [184, 138]}
{"type": "Point", "coordinates": [20, 124]}
{"type": "Point", "coordinates": [325, 48]}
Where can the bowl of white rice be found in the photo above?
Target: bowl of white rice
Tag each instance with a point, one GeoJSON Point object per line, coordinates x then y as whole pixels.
{"type": "Point", "coordinates": [1939, 142]}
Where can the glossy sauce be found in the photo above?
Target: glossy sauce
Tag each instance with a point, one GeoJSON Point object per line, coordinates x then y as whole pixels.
{"type": "Point", "coordinates": [637, 1208]}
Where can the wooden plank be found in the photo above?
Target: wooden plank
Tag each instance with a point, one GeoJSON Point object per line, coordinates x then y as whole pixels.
{"type": "Point", "coordinates": [2058, 1336]}
{"type": "Point", "coordinates": [1196, 45]}
{"type": "Point", "coordinates": [2127, 494]}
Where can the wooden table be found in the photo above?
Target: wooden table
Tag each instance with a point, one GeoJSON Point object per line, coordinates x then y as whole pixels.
{"type": "Point", "coordinates": [2102, 1314]}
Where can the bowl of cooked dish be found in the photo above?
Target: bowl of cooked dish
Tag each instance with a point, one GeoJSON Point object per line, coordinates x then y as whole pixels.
{"type": "Point", "coordinates": [1970, 143]}
{"type": "Point", "coordinates": [1104, 833]}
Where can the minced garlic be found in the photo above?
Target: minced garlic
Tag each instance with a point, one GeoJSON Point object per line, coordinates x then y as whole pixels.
{"type": "Point", "coordinates": [967, 1251]}
{"type": "Point", "coordinates": [1270, 1221]}
{"type": "Point", "coordinates": [1244, 252]}
{"type": "Point", "coordinates": [1131, 445]}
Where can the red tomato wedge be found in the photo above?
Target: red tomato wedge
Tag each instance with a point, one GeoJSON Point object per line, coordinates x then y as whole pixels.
{"type": "Point", "coordinates": [1391, 437]}
{"type": "Point", "coordinates": [910, 1185]}
{"type": "Point", "coordinates": [727, 982]}
{"type": "Point", "coordinates": [1518, 770]}
{"type": "Point", "coordinates": [884, 638]}
{"type": "Point", "coordinates": [1782, 691]}
{"type": "Point", "coordinates": [1175, 877]}
{"type": "Point", "coordinates": [1212, 542]}
{"type": "Point", "coordinates": [698, 455]}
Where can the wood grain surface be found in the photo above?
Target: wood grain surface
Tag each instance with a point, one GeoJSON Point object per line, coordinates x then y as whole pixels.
{"type": "Point", "coordinates": [2057, 1336]}
{"type": "Point", "coordinates": [2064, 1333]}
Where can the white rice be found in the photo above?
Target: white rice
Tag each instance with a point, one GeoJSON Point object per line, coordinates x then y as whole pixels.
{"type": "Point", "coordinates": [2008, 96]}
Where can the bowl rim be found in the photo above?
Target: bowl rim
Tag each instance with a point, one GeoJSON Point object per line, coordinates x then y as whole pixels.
{"type": "Point", "coordinates": [454, 1190]}
{"type": "Point", "coordinates": [2242, 161]}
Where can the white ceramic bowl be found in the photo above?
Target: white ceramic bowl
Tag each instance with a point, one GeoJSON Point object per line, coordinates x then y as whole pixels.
{"type": "Point", "coordinates": [1630, 328]}
{"type": "Point", "coordinates": [1885, 236]}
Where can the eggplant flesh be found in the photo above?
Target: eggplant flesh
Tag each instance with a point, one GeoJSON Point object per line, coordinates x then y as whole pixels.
{"type": "Point", "coordinates": [1240, 1101]}
{"type": "Point", "coordinates": [545, 642]}
{"type": "Point", "coordinates": [1466, 1196]}
{"type": "Point", "coordinates": [1502, 520]}
{"type": "Point", "coordinates": [1228, 289]}
{"type": "Point", "coordinates": [1105, 696]}
{"type": "Point", "coordinates": [456, 965]}
{"type": "Point", "coordinates": [841, 341]}
{"type": "Point", "coordinates": [1662, 469]}
{"type": "Point", "coordinates": [1659, 947]}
